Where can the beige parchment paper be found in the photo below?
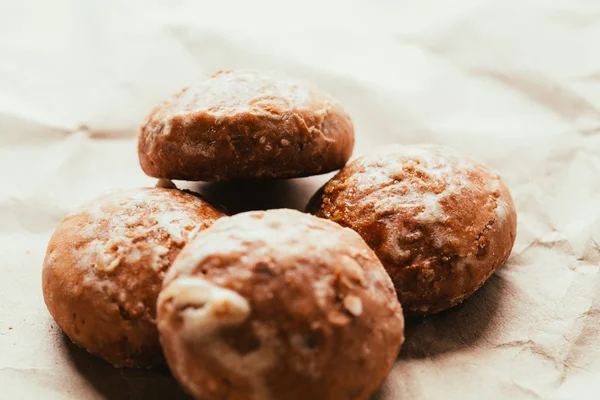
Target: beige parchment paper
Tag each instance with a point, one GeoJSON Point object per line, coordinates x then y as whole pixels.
{"type": "Point", "coordinates": [513, 83]}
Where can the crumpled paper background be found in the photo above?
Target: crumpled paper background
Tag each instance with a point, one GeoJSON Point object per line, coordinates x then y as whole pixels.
{"type": "Point", "coordinates": [513, 83]}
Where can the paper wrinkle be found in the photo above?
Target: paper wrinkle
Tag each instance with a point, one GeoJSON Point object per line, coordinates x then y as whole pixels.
{"type": "Point", "coordinates": [543, 91]}
{"type": "Point", "coordinates": [515, 85]}
{"type": "Point", "coordinates": [546, 92]}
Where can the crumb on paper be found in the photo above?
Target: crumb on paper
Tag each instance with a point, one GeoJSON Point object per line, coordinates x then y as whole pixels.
{"type": "Point", "coordinates": [10, 327]}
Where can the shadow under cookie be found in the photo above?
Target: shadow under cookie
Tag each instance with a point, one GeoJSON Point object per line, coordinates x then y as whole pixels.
{"type": "Point", "coordinates": [116, 384]}
{"type": "Point", "coordinates": [460, 328]}
{"type": "Point", "coordinates": [261, 194]}
{"type": "Point", "coordinates": [457, 328]}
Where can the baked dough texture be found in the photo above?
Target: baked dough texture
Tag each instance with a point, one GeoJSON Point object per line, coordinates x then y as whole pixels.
{"type": "Point", "coordinates": [105, 264]}
{"type": "Point", "coordinates": [245, 124]}
{"type": "Point", "coordinates": [279, 304]}
{"type": "Point", "coordinates": [440, 222]}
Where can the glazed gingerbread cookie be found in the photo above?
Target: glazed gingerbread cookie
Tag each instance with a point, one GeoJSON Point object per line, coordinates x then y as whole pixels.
{"type": "Point", "coordinates": [440, 222]}
{"type": "Point", "coordinates": [105, 264]}
{"type": "Point", "coordinates": [245, 124]}
{"type": "Point", "coordinates": [279, 305]}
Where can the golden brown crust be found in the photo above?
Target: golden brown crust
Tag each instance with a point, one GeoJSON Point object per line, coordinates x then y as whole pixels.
{"type": "Point", "coordinates": [279, 305]}
{"type": "Point", "coordinates": [245, 124]}
{"type": "Point", "coordinates": [440, 223]}
{"type": "Point", "coordinates": [105, 264]}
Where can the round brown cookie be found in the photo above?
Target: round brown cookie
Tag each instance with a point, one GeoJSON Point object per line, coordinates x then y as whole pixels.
{"type": "Point", "coordinates": [245, 124]}
{"type": "Point", "coordinates": [105, 264]}
{"type": "Point", "coordinates": [279, 305]}
{"type": "Point", "coordinates": [440, 223]}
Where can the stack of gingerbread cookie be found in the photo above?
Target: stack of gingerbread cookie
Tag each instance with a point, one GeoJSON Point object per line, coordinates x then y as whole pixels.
{"type": "Point", "coordinates": [274, 304]}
